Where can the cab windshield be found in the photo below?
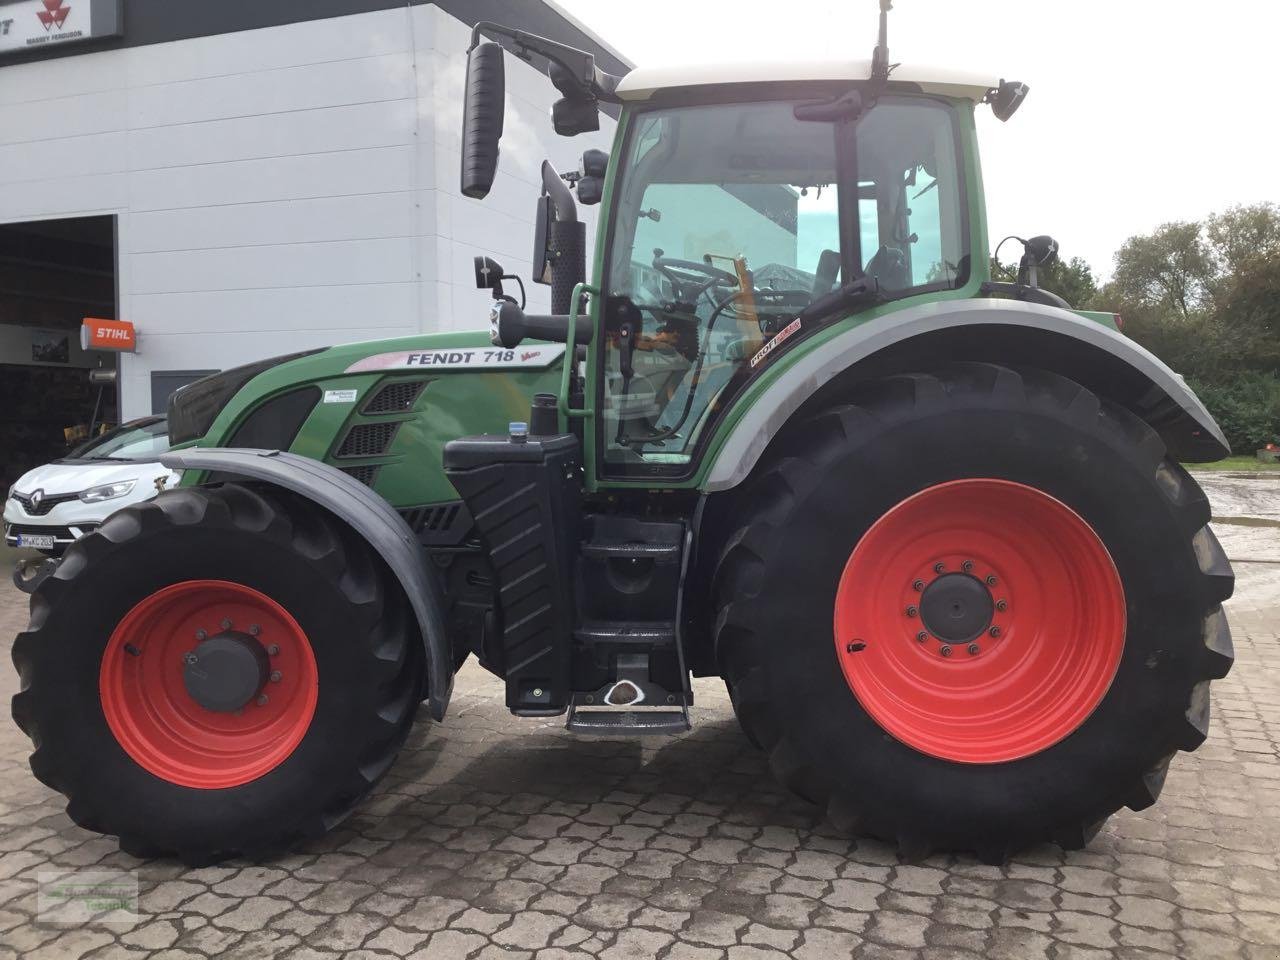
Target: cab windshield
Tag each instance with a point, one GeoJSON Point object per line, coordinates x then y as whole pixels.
{"type": "Point", "coordinates": [730, 219]}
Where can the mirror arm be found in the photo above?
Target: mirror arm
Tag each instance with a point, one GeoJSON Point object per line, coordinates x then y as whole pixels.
{"type": "Point", "coordinates": [562, 199]}
{"type": "Point", "coordinates": [590, 80]}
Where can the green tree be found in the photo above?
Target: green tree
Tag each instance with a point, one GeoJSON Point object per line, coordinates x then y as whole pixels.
{"type": "Point", "coordinates": [1172, 269]}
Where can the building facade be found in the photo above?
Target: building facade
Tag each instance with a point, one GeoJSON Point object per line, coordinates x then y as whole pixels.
{"type": "Point", "coordinates": [245, 179]}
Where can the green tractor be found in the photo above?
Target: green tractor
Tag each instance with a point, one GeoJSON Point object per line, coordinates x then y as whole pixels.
{"type": "Point", "coordinates": [931, 528]}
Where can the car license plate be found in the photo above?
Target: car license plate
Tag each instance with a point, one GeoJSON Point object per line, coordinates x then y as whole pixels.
{"type": "Point", "coordinates": [36, 540]}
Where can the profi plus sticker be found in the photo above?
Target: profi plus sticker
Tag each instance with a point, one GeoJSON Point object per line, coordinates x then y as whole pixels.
{"type": "Point", "coordinates": [772, 345]}
{"type": "Point", "coordinates": [340, 396]}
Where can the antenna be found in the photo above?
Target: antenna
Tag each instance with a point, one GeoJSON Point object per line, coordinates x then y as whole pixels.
{"type": "Point", "coordinates": [880, 58]}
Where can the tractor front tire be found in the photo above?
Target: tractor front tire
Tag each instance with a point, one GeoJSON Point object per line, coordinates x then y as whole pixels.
{"type": "Point", "coordinates": [221, 671]}
{"type": "Point", "coordinates": [972, 610]}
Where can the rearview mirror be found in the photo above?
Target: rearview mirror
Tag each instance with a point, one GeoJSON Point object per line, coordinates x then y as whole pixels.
{"type": "Point", "coordinates": [482, 113]}
{"type": "Point", "coordinates": [542, 240]}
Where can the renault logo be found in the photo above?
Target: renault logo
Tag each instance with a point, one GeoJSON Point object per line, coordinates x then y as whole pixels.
{"type": "Point", "coordinates": [36, 499]}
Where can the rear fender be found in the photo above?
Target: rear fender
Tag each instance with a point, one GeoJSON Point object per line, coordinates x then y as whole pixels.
{"type": "Point", "coordinates": [998, 331]}
{"type": "Point", "coordinates": [368, 515]}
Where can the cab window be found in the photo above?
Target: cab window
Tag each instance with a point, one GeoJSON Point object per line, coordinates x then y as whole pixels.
{"type": "Point", "coordinates": [727, 224]}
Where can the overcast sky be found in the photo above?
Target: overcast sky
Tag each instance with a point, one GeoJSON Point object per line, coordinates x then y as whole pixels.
{"type": "Point", "coordinates": [1140, 111]}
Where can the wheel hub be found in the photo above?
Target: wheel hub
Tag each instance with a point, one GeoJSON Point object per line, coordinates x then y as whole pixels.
{"type": "Point", "coordinates": [956, 608]}
{"type": "Point", "coordinates": [953, 628]}
{"type": "Point", "coordinates": [226, 671]}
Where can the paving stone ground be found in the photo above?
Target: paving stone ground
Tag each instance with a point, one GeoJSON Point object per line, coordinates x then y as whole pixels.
{"type": "Point", "coordinates": [494, 837]}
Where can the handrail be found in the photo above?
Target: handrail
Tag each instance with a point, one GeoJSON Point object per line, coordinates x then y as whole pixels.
{"type": "Point", "coordinates": [581, 289]}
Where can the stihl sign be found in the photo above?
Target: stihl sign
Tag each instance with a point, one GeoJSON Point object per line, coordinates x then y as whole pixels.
{"type": "Point", "coordinates": [33, 24]}
{"type": "Point", "coordinates": [116, 335]}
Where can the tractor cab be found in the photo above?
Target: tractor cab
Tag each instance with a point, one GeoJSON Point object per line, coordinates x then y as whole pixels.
{"type": "Point", "coordinates": [745, 211]}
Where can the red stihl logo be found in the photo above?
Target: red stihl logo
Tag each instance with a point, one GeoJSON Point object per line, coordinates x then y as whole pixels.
{"type": "Point", "coordinates": [53, 15]}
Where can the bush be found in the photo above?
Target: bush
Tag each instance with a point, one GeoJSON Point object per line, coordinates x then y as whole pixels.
{"type": "Point", "coordinates": [1247, 409]}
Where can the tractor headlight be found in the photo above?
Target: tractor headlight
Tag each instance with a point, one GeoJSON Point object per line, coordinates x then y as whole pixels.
{"type": "Point", "coordinates": [193, 408]}
{"type": "Point", "coordinates": [108, 491]}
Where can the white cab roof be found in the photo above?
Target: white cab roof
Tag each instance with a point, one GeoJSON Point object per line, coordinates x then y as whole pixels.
{"type": "Point", "coordinates": [643, 82]}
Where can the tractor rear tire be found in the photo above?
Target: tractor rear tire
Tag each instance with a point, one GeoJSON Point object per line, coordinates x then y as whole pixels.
{"type": "Point", "coordinates": [275, 743]}
{"type": "Point", "coordinates": [973, 610]}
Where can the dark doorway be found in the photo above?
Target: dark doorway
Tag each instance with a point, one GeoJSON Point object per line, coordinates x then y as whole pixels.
{"type": "Point", "coordinates": [53, 274]}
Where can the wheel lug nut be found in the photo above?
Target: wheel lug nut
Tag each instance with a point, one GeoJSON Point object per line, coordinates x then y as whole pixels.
{"type": "Point", "coordinates": [189, 657]}
{"type": "Point", "coordinates": [273, 650]}
{"type": "Point", "coordinates": [201, 635]}
{"type": "Point", "coordinates": [967, 566]}
{"type": "Point", "coordinates": [855, 647]}
{"type": "Point", "coordinates": [939, 567]}
{"type": "Point", "coordinates": [275, 676]}
{"type": "Point", "coordinates": [912, 611]}
{"type": "Point", "coordinates": [991, 580]}
{"type": "Point", "coordinates": [994, 631]}
{"type": "Point", "coordinates": [1002, 605]}
{"type": "Point", "coordinates": [945, 651]}
{"type": "Point", "coordinates": [226, 624]}
{"type": "Point", "coordinates": [917, 585]}
{"type": "Point", "coordinates": [973, 649]}
{"type": "Point", "coordinates": [262, 700]}
{"type": "Point", "coordinates": [254, 629]}
{"type": "Point", "coordinates": [922, 637]}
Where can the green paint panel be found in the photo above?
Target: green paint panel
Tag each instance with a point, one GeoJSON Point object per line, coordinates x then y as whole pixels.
{"type": "Point", "coordinates": [455, 402]}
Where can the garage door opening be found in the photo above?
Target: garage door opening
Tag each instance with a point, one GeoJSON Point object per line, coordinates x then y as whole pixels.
{"type": "Point", "coordinates": [53, 274]}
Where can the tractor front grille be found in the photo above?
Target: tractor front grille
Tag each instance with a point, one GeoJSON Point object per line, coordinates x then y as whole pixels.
{"type": "Point", "coordinates": [395, 397]}
{"type": "Point", "coordinates": [366, 474]}
{"type": "Point", "coordinates": [367, 440]}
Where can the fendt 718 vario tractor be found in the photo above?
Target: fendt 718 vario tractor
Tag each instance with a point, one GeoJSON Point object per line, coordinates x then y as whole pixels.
{"type": "Point", "coordinates": [930, 528]}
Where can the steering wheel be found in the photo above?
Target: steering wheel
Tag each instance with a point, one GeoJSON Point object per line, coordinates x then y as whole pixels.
{"type": "Point", "coordinates": [672, 268]}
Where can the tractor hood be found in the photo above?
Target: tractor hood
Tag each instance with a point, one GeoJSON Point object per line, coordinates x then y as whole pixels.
{"type": "Point", "coordinates": [382, 410]}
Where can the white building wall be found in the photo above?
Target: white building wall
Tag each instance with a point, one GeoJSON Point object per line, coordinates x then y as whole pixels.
{"type": "Point", "coordinates": [283, 188]}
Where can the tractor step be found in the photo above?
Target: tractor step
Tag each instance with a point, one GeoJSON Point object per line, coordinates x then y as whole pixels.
{"type": "Point", "coordinates": [639, 721]}
{"type": "Point", "coordinates": [657, 552]}
{"type": "Point", "coordinates": [647, 633]}
{"type": "Point", "coordinates": [631, 703]}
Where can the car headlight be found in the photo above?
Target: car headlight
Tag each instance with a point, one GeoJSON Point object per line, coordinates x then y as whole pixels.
{"type": "Point", "coordinates": [193, 408]}
{"type": "Point", "coordinates": [108, 491]}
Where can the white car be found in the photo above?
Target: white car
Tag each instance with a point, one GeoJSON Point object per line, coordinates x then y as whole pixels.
{"type": "Point", "coordinates": [50, 507]}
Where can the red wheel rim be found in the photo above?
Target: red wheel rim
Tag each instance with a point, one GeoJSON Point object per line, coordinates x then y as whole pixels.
{"type": "Point", "coordinates": [1046, 655]}
{"type": "Point", "coordinates": [159, 723]}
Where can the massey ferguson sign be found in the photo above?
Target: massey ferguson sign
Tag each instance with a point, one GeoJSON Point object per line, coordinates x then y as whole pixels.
{"type": "Point", "coordinates": [40, 24]}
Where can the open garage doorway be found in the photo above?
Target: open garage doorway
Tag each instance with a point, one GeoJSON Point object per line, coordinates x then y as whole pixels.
{"type": "Point", "coordinates": [53, 274]}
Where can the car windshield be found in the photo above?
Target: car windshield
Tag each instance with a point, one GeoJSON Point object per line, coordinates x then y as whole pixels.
{"type": "Point", "coordinates": [730, 219]}
{"type": "Point", "coordinates": [137, 440]}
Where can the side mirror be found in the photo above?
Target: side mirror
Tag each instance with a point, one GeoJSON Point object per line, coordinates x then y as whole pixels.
{"type": "Point", "coordinates": [1007, 98]}
{"type": "Point", "coordinates": [542, 255]}
{"type": "Point", "coordinates": [482, 114]}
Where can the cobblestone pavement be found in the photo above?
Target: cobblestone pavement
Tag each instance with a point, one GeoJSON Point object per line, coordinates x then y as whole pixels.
{"type": "Point", "coordinates": [502, 838]}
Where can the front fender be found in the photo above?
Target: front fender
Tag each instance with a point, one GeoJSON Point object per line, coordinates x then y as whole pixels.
{"type": "Point", "coordinates": [365, 512]}
{"type": "Point", "coordinates": [995, 330]}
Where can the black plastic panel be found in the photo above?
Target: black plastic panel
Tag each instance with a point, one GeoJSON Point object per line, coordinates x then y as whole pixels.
{"type": "Point", "coordinates": [526, 501]}
{"type": "Point", "coordinates": [274, 424]}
